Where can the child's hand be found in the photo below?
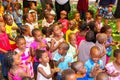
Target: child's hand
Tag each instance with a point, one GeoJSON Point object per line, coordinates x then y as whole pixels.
{"type": "Point", "coordinates": [52, 41]}
{"type": "Point", "coordinates": [113, 43]}
{"type": "Point", "coordinates": [57, 69]}
{"type": "Point", "coordinates": [14, 28]}
{"type": "Point", "coordinates": [62, 59]}
{"type": "Point", "coordinates": [29, 59]}
{"type": "Point", "coordinates": [114, 74]}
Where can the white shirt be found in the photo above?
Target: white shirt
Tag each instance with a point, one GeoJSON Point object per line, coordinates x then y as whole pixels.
{"type": "Point", "coordinates": [30, 25]}
{"type": "Point", "coordinates": [46, 70]}
{"type": "Point", "coordinates": [62, 2]}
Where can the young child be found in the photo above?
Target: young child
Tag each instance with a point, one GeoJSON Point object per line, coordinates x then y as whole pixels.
{"type": "Point", "coordinates": [49, 9]}
{"type": "Point", "coordinates": [85, 46]}
{"type": "Point", "coordinates": [68, 74]}
{"type": "Point", "coordinates": [94, 65]}
{"type": "Point", "coordinates": [15, 70]}
{"type": "Point", "coordinates": [49, 20]}
{"type": "Point", "coordinates": [98, 22]}
{"type": "Point", "coordinates": [44, 72]}
{"type": "Point", "coordinates": [102, 76]}
{"type": "Point", "coordinates": [89, 16]}
{"type": "Point", "coordinates": [11, 30]}
{"type": "Point", "coordinates": [108, 31]}
{"type": "Point", "coordinates": [80, 70]}
{"type": "Point", "coordinates": [112, 68]}
{"type": "Point", "coordinates": [25, 53]}
{"type": "Point", "coordinates": [101, 40]}
{"type": "Point", "coordinates": [29, 21]}
{"type": "Point", "coordinates": [4, 48]}
{"type": "Point", "coordinates": [80, 35]}
{"type": "Point", "coordinates": [73, 51]}
{"type": "Point", "coordinates": [56, 39]}
{"type": "Point", "coordinates": [64, 21]}
{"type": "Point", "coordinates": [25, 30]}
{"type": "Point", "coordinates": [17, 14]}
{"type": "Point", "coordinates": [62, 58]}
{"type": "Point", "coordinates": [72, 29]}
{"type": "Point", "coordinates": [77, 19]}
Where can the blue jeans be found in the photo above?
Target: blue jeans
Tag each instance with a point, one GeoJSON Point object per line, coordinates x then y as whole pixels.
{"type": "Point", "coordinates": [4, 68]}
{"type": "Point", "coordinates": [19, 24]}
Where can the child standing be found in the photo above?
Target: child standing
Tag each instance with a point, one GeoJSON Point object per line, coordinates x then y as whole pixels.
{"type": "Point", "coordinates": [56, 39]}
{"type": "Point", "coordinates": [43, 71]}
{"type": "Point", "coordinates": [17, 14]}
{"type": "Point", "coordinates": [4, 48]}
{"type": "Point", "coordinates": [64, 21]}
{"type": "Point", "coordinates": [101, 40]}
{"type": "Point", "coordinates": [25, 53]}
{"type": "Point", "coordinates": [112, 68]}
{"type": "Point", "coordinates": [11, 30]}
{"type": "Point", "coordinates": [94, 65]}
{"type": "Point", "coordinates": [62, 58]}
{"type": "Point", "coordinates": [89, 16]}
{"type": "Point", "coordinates": [15, 70]}
{"type": "Point", "coordinates": [108, 31]}
{"type": "Point", "coordinates": [68, 74]}
{"type": "Point", "coordinates": [80, 70]}
{"type": "Point", "coordinates": [73, 51]}
{"type": "Point", "coordinates": [72, 29]}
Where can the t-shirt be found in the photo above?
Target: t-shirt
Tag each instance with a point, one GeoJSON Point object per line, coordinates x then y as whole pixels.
{"type": "Point", "coordinates": [30, 25]}
{"type": "Point", "coordinates": [46, 70]}
{"type": "Point", "coordinates": [12, 33]}
{"type": "Point", "coordinates": [4, 42]}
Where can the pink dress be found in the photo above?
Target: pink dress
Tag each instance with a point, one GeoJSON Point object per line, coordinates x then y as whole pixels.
{"type": "Point", "coordinates": [111, 68]}
{"type": "Point", "coordinates": [24, 57]}
{"type": "Point", "coordinates": [79, 38]}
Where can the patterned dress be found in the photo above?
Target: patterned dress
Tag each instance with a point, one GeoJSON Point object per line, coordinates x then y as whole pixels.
{"type": "Point", "coordinates": [24, 57]}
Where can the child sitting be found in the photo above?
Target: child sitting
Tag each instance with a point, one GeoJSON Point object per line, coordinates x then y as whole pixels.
{"type": "Point", "coordinates": [43, 71]}
{"type": "Point", "coordinates": [72, 29]}
{"type": "Point", "coordinates": [94, 65]}
{"type": "Point", "coordinates": [89, 16]}
{"type": "Point", "coordinates": [64, 21]}
{"type": "Point", "coordinates": [112, 68]}
{"type": "Point", "coordinates": [80, 70]}
{"type": "Point", "coordinates": [62, 58]}
{"type": "Point", "coordinates": [73, 51]}
{"type": "Point", "coordinates": [68, 74]}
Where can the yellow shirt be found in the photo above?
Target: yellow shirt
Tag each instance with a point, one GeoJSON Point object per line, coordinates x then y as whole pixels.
{"type": "Point", "coordinates": [12, 33]}
{"type": "Point", "coordinates": [1, 10]}
{"type": "Point", "coordinates": [68, 32]}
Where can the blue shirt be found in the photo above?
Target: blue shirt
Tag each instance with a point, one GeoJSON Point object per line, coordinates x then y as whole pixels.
{"type": "Point", "coordinates": [109, 40]}
{"type": "Point", "coordinates": [89, 65]}
{"type": "Point", "coordinates": [63, 65]}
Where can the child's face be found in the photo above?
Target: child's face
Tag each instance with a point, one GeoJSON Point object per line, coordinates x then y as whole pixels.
{"type": "Point", "coordinates": [30, 18]}
{"type": "Point", "coordinates": [50, 19]}
{"type": "Point", "coordinates": [72, 25]}
{"type": "Point", "coordinates": [82, 69]}
{"type": "Point", "coordinates": [38, 36]}
{"type": "Point", "coordinates": [57, 30]}
{"type": "Point", "coordinates": [73, 39]}
{"type": "Point", "coordinates": [9, 20]}
{"type": "Point", "coordinates": [34, 16]}
{"type": "Point", "coordinates": [88, 15]}
{"type": "Point", "coordinates": [99, 19]}
{"type": "Point", "coordinates": [62, 51]}
{"type": "Point", "coordinates": [118, 59]}
{"type": "Point", "coordinates": [28, 31]}
{"type": "Point", "coordinates": [17, 59]}
{"type": "Point", "coordinates": [21, 44]}
{"type": "Point", "coordinates": [77, 16]}
{"type": "Point", "coordinates": [44, 58]}
{"type": "Point", "coordinates": [109, 33]}
{"type": "Point", "coordinates": [63, 15]}
{"type": "Point", "coordinates": [71, 77]}
{"type": "Point", "coordinates": [48, 7]}
{"type": "Point", "coordinates": [109, 9]}
{"type": "Point", "coordinates": [95, 55]}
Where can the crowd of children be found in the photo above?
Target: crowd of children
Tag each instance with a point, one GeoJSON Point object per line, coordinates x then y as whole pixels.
{"type": "Point", "coordinates": [63, 49]}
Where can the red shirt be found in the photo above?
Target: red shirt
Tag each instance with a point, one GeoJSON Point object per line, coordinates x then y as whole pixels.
{"type": "Point", "coordinates": [4, 42]}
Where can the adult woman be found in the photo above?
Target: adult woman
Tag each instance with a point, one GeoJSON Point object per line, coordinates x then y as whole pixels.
{"type": "Point", "coordinates": [117, 16]}
{"type": "Point", "coordinates": [61, 5]}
